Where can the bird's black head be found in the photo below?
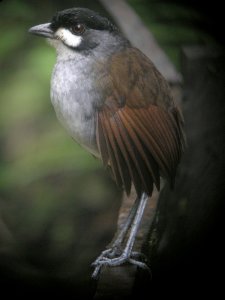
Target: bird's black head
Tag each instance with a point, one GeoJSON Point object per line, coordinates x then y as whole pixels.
{"type": "Point", "coordinates": [71, 17]}
{"type": "Point", "coordinates": [76, 28]}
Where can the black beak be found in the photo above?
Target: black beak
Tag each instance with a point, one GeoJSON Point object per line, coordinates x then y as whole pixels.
{"type": "Point", "coordinates": [42, 30]}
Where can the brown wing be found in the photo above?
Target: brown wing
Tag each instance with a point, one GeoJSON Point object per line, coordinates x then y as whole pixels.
{"type": "Point", "coordinates": [139, 130]}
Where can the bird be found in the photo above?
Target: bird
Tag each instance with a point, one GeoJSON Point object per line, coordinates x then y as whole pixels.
{"type": "Point", "coordinates": [116, 104]}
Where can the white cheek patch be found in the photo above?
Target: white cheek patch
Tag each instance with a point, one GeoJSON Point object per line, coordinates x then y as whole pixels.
{"type": "Point", "coordinates": [68, 38]}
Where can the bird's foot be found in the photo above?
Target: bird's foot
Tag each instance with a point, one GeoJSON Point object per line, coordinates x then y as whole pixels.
{"type": "Point", "coordinates": [113, 252]}
{"type": "Point", "coordinates": [115, 257]}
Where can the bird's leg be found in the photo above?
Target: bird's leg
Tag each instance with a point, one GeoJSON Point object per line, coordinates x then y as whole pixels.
{"type": "Point", "coordinates": [126, 255]}
{"type": "Point", "coordinates": [115, 248]}
{"type": "Point", "coordinates": [126, 226]}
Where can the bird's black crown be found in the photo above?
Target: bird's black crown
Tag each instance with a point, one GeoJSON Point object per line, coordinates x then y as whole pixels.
{"type": "Point", "coordinates": [73, 16]}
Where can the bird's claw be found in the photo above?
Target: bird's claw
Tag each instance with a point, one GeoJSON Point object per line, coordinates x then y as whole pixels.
{"type": "Point", "coordinates": [108, 254]}
{"type": "Point", "coordinates": [106, 259]}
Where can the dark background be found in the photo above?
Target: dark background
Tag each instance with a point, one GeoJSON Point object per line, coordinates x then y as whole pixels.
{"type": "Point", "coordinates": [58, 207]}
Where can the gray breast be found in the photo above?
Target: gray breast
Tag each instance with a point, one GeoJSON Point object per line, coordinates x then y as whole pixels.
{"type": "Point", "coordinates": [74, 98]}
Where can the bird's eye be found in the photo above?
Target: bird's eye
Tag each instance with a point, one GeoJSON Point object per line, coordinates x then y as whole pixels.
{"type": "Point", "coordinates": [78, 29]}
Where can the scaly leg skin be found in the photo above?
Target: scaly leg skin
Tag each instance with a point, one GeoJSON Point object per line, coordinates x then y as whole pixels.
{"type": "Point", "coordinates": [116, 248]}
{"type": "Point", "coordinates": [105, 259]}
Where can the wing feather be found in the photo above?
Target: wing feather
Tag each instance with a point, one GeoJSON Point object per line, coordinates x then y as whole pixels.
{"type": "Point", "coordinates": [139, 129]}
{"type": "Point", "coordinates": [112, 160]}
{"type": "Point", "coordinates": [141, 148]}
{"type": "Point", "coordinates": [137, 170]}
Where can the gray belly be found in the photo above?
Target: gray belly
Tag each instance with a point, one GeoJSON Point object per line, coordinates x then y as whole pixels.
{"type": "Point", "coordinates": [73, 97]}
